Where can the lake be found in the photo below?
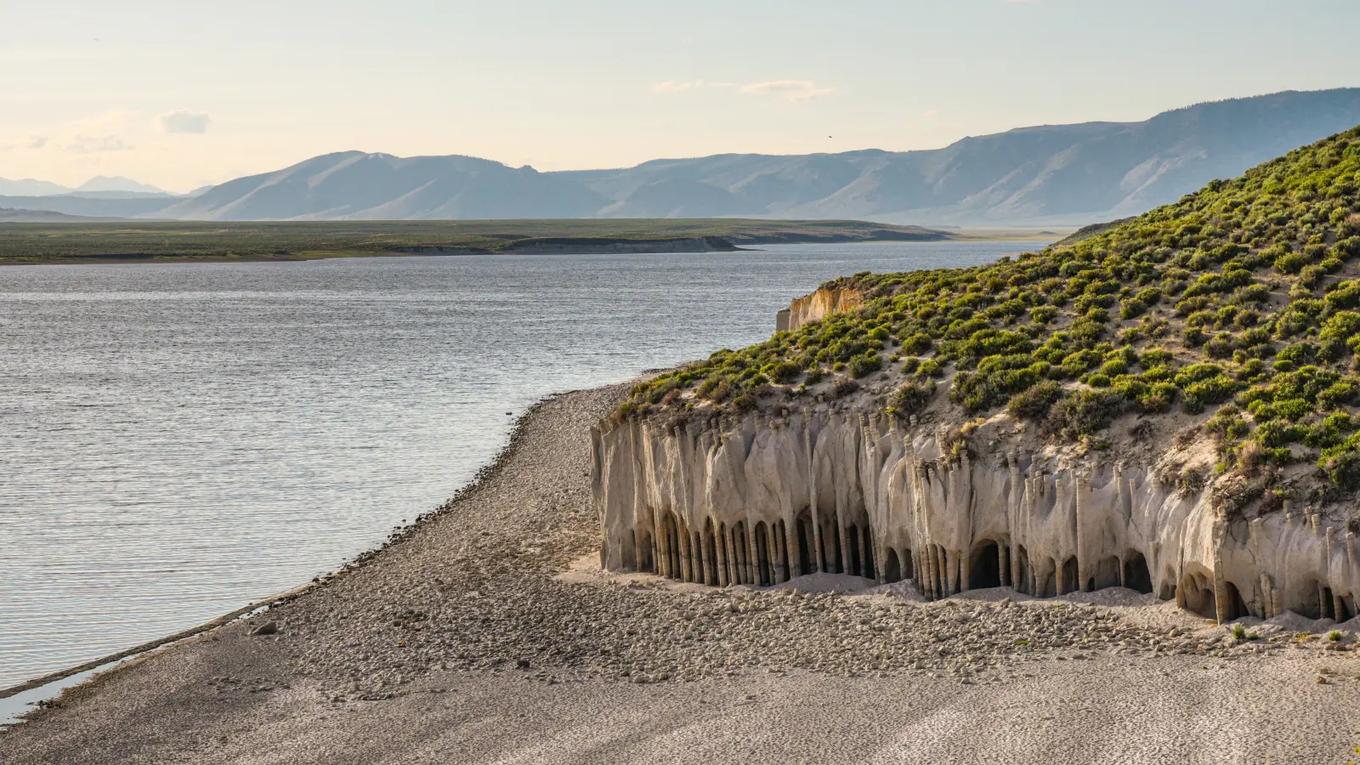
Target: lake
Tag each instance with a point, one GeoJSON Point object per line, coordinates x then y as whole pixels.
{"type": "Point", "coordinates": [177, 440]}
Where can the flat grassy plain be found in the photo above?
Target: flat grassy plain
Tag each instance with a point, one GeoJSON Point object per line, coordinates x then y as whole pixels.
{"type": "Point", "coordinates": [143, 241]}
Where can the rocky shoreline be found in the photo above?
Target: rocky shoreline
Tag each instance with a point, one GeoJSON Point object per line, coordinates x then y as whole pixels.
{"type": "Point", "coordinates": [483, 633]}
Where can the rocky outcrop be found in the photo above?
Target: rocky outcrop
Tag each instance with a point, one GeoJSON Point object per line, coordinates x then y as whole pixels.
{"type": "Point", "coordinates": [816, 306]}
{"type": "Point", "coordinates": [760, 499]}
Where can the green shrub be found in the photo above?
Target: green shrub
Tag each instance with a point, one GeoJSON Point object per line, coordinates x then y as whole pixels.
{"type": "Point", "coordinates": [1344, 294]}
{"type": "Point", "coordinates": [1034, 402]}
{"type": "Point", "coordinates": [865, 364]}
{"type": "Point", "coordinates": [1084, 412]}
{"type": "Point", "coordinates": [910, 398]}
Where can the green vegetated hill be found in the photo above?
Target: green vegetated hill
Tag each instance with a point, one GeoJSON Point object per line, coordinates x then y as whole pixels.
{"type": "Point", "coordinates": [1233, 313]}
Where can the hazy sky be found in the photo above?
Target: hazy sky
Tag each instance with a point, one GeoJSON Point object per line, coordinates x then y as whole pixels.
{"type": "Point", "coordinates": [180, 94]}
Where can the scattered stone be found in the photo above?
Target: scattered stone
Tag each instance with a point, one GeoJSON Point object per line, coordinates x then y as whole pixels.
{"type": "Point", "coordinates": [268, 628]}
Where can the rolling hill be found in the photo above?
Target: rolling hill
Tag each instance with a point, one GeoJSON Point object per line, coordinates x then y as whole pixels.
{"type": "Point", "coordinates": [1044, 175]}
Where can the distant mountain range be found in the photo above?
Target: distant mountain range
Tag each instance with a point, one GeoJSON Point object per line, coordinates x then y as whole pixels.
{"type": "Point", "coordinates": [100, 185]}
{"type": "Point", "coordinates": [1049, 174]}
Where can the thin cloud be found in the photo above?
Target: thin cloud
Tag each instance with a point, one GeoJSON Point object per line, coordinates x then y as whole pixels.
{"type": "Point", "coordinates": [794, 91]}
{"type": "Point", "coordinates": [670, 86]}
{"type": "Point", "coordinates": [183, 121]}
{"type": "Point", "coordinates": [790, 90]}
{"type": "Point", "coordinates": [96, 144]}
{"type": "Point", "coordinates": [37, 141]}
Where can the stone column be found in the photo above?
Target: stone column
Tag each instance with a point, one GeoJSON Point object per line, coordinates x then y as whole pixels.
{"type": "Point", "coordinates": [720, 536]}
{"type": "Point", "coordinates": [1015, 569]}
{"type": "Point", "coordinates": [1221, 600]}
{"type": "Point", "coordinates": [951, 563]}
{"type": "Point", "coordinates": [1081, 511]}
{"type": "Point", "coordinates": [965, 574]}
{"type": "Point", "coordinates": [818, 555]}
{"type": "Point", "coordinates": [1353, 569]}
{"type": "Point", "coordinates": [752, 556]}
{"type": "Point", "coordinates": [733, 555]}
{"type": "Point", "coordinates": [682, 534]}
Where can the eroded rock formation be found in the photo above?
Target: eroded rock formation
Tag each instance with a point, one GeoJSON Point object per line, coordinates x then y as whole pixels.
{"type": "Point", "coordinates": [816, 306]}
{"type": "Point", "coordinates": [763, 498]}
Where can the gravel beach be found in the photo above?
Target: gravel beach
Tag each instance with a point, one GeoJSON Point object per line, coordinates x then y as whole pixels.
{"type": "Point", "coordinates": [483, 634]}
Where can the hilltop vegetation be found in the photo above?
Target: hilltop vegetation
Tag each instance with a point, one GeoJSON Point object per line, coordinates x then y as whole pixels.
{"type": "Point", "coordinates": [1238, 306]}
{"type": "Point", "coordinates": [126, 241]}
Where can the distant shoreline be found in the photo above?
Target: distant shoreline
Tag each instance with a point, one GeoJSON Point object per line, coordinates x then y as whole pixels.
{"type": "Point", "coordinates": [129, 242]}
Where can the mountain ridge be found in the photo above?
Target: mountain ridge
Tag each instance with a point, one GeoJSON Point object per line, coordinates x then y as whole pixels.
{"type": "Point", "coordinates": [1040, 175]}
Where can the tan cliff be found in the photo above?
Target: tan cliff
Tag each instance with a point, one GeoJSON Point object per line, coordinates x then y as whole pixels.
{"type": "Point", "coordinates": [762, 498]}
{"type": "Point", "coordinates": [816, 306]}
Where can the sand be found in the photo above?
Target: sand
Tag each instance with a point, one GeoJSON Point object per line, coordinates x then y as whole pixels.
{"type": "Point", "coordinates": [483, 634]}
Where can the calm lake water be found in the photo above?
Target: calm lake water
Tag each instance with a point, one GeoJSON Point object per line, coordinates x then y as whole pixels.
{"type": "Point", "coordinates": [178, 440]}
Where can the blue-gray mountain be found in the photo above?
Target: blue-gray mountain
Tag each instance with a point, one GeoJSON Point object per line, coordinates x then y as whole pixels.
{"type": "Point", "coordinates": [1048, 174]}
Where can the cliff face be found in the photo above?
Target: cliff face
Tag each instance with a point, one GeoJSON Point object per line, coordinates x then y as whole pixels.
{"type": "Point", "coordinates": [761, 499]}
{"type": "Point", "coordinates": [817, 306]}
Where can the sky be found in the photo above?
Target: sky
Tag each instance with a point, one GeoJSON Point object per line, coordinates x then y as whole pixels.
{"type": "Point", "coordinates": [183, 94]}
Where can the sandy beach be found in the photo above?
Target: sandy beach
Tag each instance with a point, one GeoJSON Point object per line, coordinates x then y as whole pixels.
{"type": "Point", "coordinates": [483, 634]}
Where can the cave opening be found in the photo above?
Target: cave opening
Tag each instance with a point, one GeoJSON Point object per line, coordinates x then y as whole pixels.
{"type": "Point", "coordinates": [806, 560]}
{"type": "Point", "coordinates": [1106, 574]}
{"type": "Point", "coordinates": [1237, 608]}
{"type": "Point", "coordinates": [1137, 577]}
{"type": "Point", "coordinates": [852, 531]}
{"type": "Point", "coordinates": [1198, 596]}
{"type": "Point", "coordinates": [892, 568]}
{"type": "Point", "coordinates": [644, 553]}
{"type": "Point", "coordinates": [985, 568]}
{"type": "Point", "coordinates": [1071, 576]}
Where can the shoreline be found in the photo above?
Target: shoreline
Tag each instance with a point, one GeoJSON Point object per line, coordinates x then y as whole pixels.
{"type": "Point", "coordinates": [268, 241]}
{"type": "Point", "coordinates": [460, 639]}
{"type": "Point", "coordinates": [262, 605]}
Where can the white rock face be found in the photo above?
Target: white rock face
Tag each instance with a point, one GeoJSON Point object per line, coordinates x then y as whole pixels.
{"type": "Point", "coordinates": [816, 306]}
{"type": "Point", "coordinates": [763, 499]}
